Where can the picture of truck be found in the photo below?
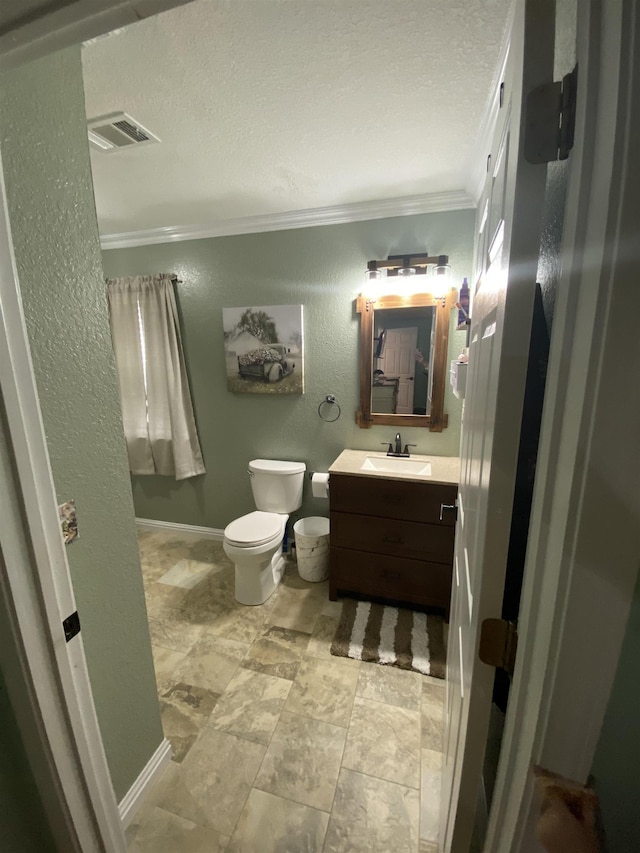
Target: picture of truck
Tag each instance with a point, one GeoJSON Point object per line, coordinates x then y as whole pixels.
{"type": "Point", "coordinates": [269, 363]}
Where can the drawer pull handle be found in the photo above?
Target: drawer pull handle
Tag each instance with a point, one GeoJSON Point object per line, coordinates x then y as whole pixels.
{"type": "Point", "coordinates": [445, 506]}
{"type": "Point", "coordinates": [397, 540]}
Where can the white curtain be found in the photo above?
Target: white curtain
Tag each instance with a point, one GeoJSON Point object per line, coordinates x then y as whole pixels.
{"type": "Point", "coordinates": [154, 389]}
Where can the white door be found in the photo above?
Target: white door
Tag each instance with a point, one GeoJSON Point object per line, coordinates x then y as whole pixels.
{"type": "Point", "coordinates": [499, 343]}
{"type": "Point", "coordinates": [399, 361]}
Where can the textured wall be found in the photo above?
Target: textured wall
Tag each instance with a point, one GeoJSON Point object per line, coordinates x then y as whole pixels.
{"type": "Point", "coordinates": [55, 236]}
{"type": "Point", "coordinates": [23, 826]}
{"type": "Point", "coordinates": [322, 268]}
{"type": "Point", "coordinates": [617, 758]}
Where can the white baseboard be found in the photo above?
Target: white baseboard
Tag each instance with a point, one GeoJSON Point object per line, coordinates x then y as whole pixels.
{"type": "Point", "coordinates": [151, 774]}
{"type": "Point", "coordinates": [182, 529]}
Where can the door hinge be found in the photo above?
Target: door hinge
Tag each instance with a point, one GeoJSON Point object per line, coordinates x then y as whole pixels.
{"type": "Point", "coordinates": [498, 644]}
{"type": "Point", "coordinates": [551, 119]}
{"type": "Point", "coordinates": [71, 626]}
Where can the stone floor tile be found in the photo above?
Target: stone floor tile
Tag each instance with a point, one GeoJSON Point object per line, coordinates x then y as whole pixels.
{"type": "Point", "coordinates": [162, 600]}
{"type": "Point", "coordinates": [384, 741]}
{"type": "Point", "coordinates": [186, 574]}
{"type": "Point", "coordinates": [165, 662]}
{"type": "Point", "coordinates": [207, 551]}
{"type": "Point", "coordinates": [372, 816]}
{"type": "Point", "coordinates": [238, 622]}
{"type": "Point", "coordinates": [430, 790]}
{"type": "Point", "coordinates": [297, 608]}
{"type": "Point", "coordinates": [321, 639]}
{"type": "Point", "coordinates": [184, 710]}
{"type": "Point", "coordinates": [332, 608]}
{"type": "Point", "coordinates": [273, 825]}
{"type": "Point", "coordinates": [163, 551]}
{"type": "Point", "coordinates": [432, 721]}
{"type": "Point", "coordinates": [391, 685]}
{"type": "Point", "coordinates": [433, 693]}
{"type": "Point", "coordinates": [250, 706]}
{"type": "Point", "coordinates": [155, 830]}
{"type": "Point", "coordinates": [324, 691]}
{"type": "Point", "coordinates": [211, 785]}
{"type": "Point", "coordinates": [274, 795]}
{"type": "Point", "coordinates": [277, 651]}
{"type": "Point", "coordinates": [211, 663]}
{"type": "Point", "coordinates": [302, 761]}
{"type": "Point", "coordinates": [172, 632]}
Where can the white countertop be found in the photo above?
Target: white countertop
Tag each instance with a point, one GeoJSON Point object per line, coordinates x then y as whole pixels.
{"type": "Point", "coordinates": [444, 469]}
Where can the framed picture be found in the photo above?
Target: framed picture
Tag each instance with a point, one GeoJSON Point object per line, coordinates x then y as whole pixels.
{"type": "Point", "coordinates": [264, 350]}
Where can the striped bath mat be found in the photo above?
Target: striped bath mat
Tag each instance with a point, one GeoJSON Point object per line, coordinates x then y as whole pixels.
{"type": "Point", "coordinates": [392, 636]}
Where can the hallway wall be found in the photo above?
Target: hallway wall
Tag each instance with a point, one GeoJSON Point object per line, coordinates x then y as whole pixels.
{"type": "Point", "coordinates": [52, 215]}
{"type": "Point", "coordinates": [617, 758]}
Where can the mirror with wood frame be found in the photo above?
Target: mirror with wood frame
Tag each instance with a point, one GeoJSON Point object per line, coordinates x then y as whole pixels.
{"type": "Point", "coordinates": [403, 360]}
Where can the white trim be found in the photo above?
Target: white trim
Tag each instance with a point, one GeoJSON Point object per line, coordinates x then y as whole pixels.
{"type": "Point", "coordinates": [150, 776]}
{"type": "Point", "coordinates": [336, 215]}
{"type": "Point", "coordinates": [183, 529]}
{"type": "Point", "coordinates": [42, 594]}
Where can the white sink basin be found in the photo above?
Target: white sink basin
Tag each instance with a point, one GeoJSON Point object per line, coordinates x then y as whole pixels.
{"type": "Point", "coordinates": [396, 465]}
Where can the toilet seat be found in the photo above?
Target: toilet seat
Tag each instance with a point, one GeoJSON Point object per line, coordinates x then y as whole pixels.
{"type": "Point", "coordinates": [255, 528]}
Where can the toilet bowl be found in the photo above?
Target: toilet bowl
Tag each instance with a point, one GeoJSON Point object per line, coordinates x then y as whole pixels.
{"type": "Point", "coordinates": [258, 558]}
{"type": "Point", "coordinates": [254, 541]}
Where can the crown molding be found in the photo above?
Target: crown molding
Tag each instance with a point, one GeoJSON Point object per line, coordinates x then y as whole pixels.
{"type": "Point", "coordinates": [335, 215]}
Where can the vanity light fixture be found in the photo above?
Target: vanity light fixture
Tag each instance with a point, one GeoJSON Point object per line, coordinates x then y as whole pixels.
{"type": "Point", "coordinates": [407, 266]}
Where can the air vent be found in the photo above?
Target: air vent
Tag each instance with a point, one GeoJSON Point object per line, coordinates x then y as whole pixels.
{"type": "Point", "coordinates": [117, 130]}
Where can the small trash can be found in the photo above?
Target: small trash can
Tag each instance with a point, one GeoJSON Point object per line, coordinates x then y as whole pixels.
{"type": "Point", "coordinates": [312, 547]}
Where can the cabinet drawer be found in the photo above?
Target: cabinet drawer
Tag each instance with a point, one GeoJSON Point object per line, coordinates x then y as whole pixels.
{"type": "Point", "coordinates": [406, 499]}
{"type": "Point", "coordinates": [413, 581]}
{"type": "Point", "coordinates": [432, 542]}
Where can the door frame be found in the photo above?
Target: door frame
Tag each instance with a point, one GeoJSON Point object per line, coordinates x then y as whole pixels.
{"type": "Point", "coordinates": [49, 686]}
{"type": "Point", "coordinates": [542, 712]}
{"type": "Point", "coordinates": [586, 477]}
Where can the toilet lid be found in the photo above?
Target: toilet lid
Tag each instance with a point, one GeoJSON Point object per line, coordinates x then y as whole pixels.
{"type": "Point", "coordinates": [256, 528]}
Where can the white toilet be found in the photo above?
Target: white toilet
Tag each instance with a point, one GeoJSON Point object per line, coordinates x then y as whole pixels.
{"type": "Point", "coordinates": [254, 541]}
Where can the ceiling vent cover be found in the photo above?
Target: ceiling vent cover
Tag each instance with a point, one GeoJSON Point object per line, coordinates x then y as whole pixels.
{"type": "Point", "coordinates": [117, 130]}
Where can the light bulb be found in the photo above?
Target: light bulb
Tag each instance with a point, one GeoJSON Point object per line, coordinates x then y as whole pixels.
{"type": "Point", "coordinates": [441, 280]}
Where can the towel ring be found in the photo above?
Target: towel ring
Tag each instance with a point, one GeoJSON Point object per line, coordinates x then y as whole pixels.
{"type": "Point", "coordinates": [329, 400]}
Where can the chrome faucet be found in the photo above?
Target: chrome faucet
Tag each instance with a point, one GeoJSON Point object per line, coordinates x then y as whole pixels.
{"type": "Point", "coordinates": [398, 449]}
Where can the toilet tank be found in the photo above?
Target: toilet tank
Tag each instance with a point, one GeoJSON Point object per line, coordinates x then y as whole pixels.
{"type": "Point", "coordinates": [277, 486]}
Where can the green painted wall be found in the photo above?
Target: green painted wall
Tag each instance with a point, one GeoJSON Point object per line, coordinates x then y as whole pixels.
{"type": "Point", "coordinates": [322, 268]}
{"type": "Point", "coordinates": [617, 759]}
{"type": "Point", "coordinates": [52, 215]}
{"type": "Point", "coordinates": [23, 826]}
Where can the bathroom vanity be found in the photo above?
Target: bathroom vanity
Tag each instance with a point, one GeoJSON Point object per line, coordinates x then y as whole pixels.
{"type": "Point", "coordinates": [392, 527]}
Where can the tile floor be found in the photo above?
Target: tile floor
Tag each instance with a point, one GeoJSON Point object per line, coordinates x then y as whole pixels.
{"type": "Point", "coordinates": [278, 746]}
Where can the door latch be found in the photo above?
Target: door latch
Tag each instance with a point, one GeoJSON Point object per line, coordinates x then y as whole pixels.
{"type": "Point", "coordinates": [71, 626]}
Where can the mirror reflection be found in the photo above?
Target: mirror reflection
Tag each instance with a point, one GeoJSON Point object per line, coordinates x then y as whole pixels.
{"type": "Point", "coordinates": [402, 361]}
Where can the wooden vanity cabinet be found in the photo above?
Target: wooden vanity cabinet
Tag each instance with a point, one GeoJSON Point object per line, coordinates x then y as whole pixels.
{"type": "Point", "coordinates": [392, 539]}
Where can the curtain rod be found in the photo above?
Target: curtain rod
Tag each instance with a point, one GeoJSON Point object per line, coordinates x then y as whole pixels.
{"type": "Point", "coordinates": [173, 278]}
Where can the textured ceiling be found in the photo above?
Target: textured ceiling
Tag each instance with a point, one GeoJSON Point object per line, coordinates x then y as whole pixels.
{"type": "Point", "coordinates": [271, 106]}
